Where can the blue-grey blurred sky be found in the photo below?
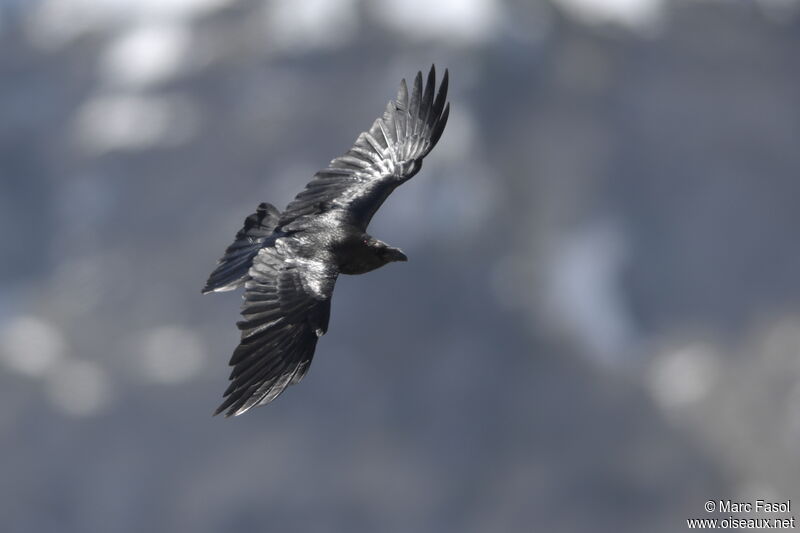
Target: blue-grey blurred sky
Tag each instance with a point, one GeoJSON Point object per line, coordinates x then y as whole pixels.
{"type": "Point", "coordinates": [598, 328]}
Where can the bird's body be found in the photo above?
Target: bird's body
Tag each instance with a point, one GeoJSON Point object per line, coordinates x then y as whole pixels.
{"type": "Point", "coordinates": [288, 262]}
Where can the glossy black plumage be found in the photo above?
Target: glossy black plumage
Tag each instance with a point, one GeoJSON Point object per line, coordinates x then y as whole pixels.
{"type": "Point", "coordinates": [288, 262]}
{"type": "Point", "coordinates": [231, 272]}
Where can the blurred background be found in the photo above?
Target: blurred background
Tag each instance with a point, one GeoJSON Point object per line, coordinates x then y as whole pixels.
{"type": "Point", "coordinates": [598, 328]}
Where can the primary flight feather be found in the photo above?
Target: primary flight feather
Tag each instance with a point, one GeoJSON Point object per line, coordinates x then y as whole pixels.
{"type": "Point", "coordinates": [288, 262]}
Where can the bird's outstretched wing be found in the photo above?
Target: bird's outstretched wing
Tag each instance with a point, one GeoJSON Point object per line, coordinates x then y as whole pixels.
{"type": "Point", "coordinates": [383, 157]}
{"type": "Point", "coordinates": [231, 270]}
{"type": "Point", "coordinates": [286, 309]}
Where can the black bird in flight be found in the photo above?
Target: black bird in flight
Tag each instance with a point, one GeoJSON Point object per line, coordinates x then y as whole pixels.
{"type": "Point", "coordinates": [288, 262]}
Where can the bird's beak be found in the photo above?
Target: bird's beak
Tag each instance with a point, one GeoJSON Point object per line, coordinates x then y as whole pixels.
{"type": "Point", "coordinates": [395, 254]}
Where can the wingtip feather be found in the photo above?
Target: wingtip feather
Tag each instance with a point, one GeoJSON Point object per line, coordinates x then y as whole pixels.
{"type": "Point", "coordinates": [427, 100]}
{"type": "Point", "coordinates": [402, 95]}
{"type": "Point", "coordinates": [441, 97]}
{"type": "Point", "coordinates": [439, 128]}
{"type": "Point", "coordinates": [416, 96]}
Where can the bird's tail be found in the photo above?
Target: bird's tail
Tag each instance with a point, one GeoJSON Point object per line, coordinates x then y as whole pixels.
{"type": "Point", "coordinates": [231, 270]}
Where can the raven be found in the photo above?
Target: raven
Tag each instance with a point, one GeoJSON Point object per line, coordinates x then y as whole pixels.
{"type": "Point", "coordinates": [288, 262]}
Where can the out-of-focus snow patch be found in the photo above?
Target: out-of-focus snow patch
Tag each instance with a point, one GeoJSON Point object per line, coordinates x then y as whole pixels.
{"type": "Point", "coordinates": [302, 26]}
{"type": "Point", "coordinates": [680, 378]}
{"type": "Point", "coordinates": [640, 15]}
{"type": "Point", "coordinates": [146, 54]}
{"type": "Point", "coordinates": [31, 345]}
{"type": "Point", "coordinates": [54, 23]}
{"type": "Point", "coordinates": [78, 388]}
{"type": "Point", "coordinates": [457, 21]}
{"type": "Point", "coordinates": [171, 354]}
{"type": "Point", "coordinates": [583, 292]}
{"type": "Point", "coordinates": [34, 347]}
{"type": "Point", "coordinates": [132, 122]}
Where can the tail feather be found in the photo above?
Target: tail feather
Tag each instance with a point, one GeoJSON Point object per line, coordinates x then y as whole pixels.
{"type": "Point", "coordinates": [231, 270]}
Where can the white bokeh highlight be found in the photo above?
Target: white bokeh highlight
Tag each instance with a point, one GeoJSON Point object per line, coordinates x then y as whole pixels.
{"type": "Point", "coordinates": [31, 346]}
{"type": "Point", "coordinates": [682, 377]}
{"type": "Point", "coordinates": [146, 54]}
{"type": "Point", "coordinates": [312, 24]}
{"type": "Point", "coordinates": [456, 21]}
{"type": "Point", "coordinates": [135, 122]}
{"type": "Point", "coordinates": [78, 388]}
{"type": "Point", "coordinates": [171, 354]}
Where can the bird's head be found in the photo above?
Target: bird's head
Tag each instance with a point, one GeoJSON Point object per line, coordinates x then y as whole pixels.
{"type": "Point", "coordinates": [390, 254]}
{"type": "Point", "coordinates": [386, 253]}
